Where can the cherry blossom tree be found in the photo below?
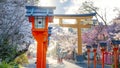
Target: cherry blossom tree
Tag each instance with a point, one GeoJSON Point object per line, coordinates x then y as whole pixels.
{"type": "Point", "coordinates": [96, 34]}
{"type": "Point", "coordinates": [15, 31]}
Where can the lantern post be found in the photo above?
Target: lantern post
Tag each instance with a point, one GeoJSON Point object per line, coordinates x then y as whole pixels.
{"type": "Point", "coordinates": [88, 53]}
{"type": "Point", "coordinates": [39, 17]}
{"type": "Point", "coordinates": [115, 44]}
{"type": "Point", "coordinates": [49, 33]}
{"type": "Point", "coordinates": [103, 48]}
{"type": "Point", "coordinates": [95, 53]}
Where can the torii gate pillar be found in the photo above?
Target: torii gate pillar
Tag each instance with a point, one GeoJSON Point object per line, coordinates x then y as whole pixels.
{"type": "Point", "coordinates": [82, 21]}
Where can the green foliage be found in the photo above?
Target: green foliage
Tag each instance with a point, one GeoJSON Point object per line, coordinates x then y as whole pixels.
{"type": "Point", "coordinates": [119, 66]}
{"type": "Point", "coordinates": [22, 59]}
{"type": "Point", "coordinates": [10, 52]}
{"type": "Point", "coordinates": [7, 51]}
{"type": "Point", "coordinates": [112, 66]}
{"type": "Point", "coordinates": [5, 65]}
{"type": "Point", "coordinates": [11, 36]}
{"type": "Point", "coordinates": [15, 65]}
{"type": "Point", "coordinates": [9, 65]}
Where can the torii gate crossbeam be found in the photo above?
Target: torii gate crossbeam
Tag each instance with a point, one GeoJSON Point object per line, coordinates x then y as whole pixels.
{"type": "Point", "coordinates": [78, 24]}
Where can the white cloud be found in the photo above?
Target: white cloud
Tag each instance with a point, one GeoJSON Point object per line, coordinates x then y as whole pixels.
{"type": "Point", "coordinates": [78, 2]}
{"type": "Point", "coordinates": [75, 4]}
{"type": "Point", "coordinates": [71, 9]}
{"type": "Point", "coordinates": [109, 5]}
{"type": "Point", "coordinates": [62, 1]}
{"type": "Point", "coordinates": [46, 3]}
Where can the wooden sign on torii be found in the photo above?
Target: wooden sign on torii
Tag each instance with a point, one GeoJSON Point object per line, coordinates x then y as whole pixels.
{"type": "Point", "coordinates": [82, 21]}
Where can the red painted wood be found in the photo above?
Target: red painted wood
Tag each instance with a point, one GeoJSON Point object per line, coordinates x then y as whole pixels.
{"type": "Point", "coordinates": [88, 52]}
{"type": "Point", "coordinates": [102, 50]}
{"type": "Point", "coordinates": [115, 57]}
{"type": "Point", "coordinates": [41, 36]}
{"type": "Point", "coordinates": [95, 61]}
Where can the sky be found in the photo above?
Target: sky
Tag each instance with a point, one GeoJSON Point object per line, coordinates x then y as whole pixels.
{"type": "Point", "coordinates": [71, 6]}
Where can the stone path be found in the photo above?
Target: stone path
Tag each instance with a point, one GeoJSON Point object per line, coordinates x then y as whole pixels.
{"type": "Point", "coordinates": [52, 63]}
